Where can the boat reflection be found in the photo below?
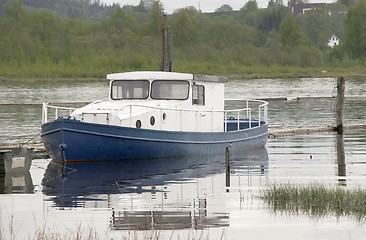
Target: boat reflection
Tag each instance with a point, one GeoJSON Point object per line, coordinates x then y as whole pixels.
{"type": "Point", "coordinates": [167, 220]}
{"type": "Point", "coordinates": [143, 194]}
{"type": "Point", "coordinates": [15, 177]}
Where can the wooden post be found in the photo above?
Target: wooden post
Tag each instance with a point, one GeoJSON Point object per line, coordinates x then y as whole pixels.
{"type": "Point", "coordinates": [341, 160]}
{"type": "Point", "coordinates": [2, 183]}
{"type": "Point", "coordinates": [227, 164]}
{"type": "Point", "coordinates": [3, 154]}
{"type": "Point", "coordinates": [166, 64]}
{"type": "Point", "coordinates": [340, 105]}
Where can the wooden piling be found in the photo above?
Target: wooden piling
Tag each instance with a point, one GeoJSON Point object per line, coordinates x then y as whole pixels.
{"type": "Point", "coordinates": [340, 105]}
{"type": "Point", "coordinates": [341, 161]}
{"type": "Point", "coordinates": [166, 63]}
{"type": "Point", "coordinates": [2, 160]}
{"type": "Point", "coordinates": [227, 164]}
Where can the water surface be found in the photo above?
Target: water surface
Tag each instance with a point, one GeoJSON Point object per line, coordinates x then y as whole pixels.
{"type": "Point", "coordinates": [20, 102]}
{"type": "Point", "coordinates": [186, 197]}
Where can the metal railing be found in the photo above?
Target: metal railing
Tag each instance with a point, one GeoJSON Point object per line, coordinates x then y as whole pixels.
{"type": "Point", "coordinates": [253, 108]}
{"type": "Point", "coordinates": [57, 111]}
{"type": "Point", "coordinates": [237, 115]}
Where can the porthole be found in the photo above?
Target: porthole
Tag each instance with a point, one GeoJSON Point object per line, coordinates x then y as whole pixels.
{"type": "Point", "coordinates": [164, 116]}
{"type": "Point", "coordinates": [152, 120]}
{"type": "Point", "coordinates": [138, 124]}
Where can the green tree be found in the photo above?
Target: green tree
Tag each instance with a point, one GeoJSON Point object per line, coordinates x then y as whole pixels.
{"type": "Point", "coordinates": [347, 3]}
{"type": "Point", "coordinates": [355, 31]}
{"type": "Point", "coordinates": [250, 6]}
{"type": "Point", "coordinates": [156, 18]}
{"type": "Point", "coordinates": [14, 10]}
{"type": "Point", "coordinates": [271, 17]}
{"type": "Point", "coordinates": [224, 8]}
{"type": "Point", "coordinates": [316, 25]}
{"type": "Point", "coordinates": [185, 29]}
{"type": "Point", "coordinates": [119, 29]}
{"type": "Point", "coordinates": [289, 32]}
{"type": "Point", "coordinates": [319, 25]}
{"type": "Point", "coordinates": [250, 13]}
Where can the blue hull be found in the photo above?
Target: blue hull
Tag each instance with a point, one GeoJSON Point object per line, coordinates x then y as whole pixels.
{"type": "Point", "coordinates": [71, 140]}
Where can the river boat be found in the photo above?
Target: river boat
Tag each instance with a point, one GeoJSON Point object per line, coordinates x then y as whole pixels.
{"type": "Point", "coordinates": [155, 115]}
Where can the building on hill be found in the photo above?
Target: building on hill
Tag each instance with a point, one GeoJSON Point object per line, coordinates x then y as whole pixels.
{"type": "Point", "coordinates": [333, 41]}
{"type": "Point", "coordinates": [301, 8]}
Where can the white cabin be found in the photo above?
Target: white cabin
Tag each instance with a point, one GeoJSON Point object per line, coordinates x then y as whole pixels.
{"type": "Point", "coordinates": [161, 101]}
{"type": "Point", "coordinates": [333, 41]}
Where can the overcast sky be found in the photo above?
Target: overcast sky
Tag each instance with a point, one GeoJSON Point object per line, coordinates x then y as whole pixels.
{"type": "Point", "coordinates": [204, 5]}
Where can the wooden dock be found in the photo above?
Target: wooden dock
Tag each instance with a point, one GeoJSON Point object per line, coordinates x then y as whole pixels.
{"type": "Point", "coordinates": [275, 133]}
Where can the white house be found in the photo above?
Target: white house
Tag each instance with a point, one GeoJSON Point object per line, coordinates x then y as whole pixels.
{"type": "Point", "coordinates": [333, 41]}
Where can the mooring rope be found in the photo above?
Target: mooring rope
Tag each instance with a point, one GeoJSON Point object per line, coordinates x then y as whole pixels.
{"type": "Point", "coordinates": [24, 143]}
{"type": "Point", "coordinates": [39, 133]}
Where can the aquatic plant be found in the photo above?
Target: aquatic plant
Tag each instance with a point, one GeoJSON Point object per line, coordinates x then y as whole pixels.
{"type": "Point", "coordinates": [86, 232]}
{"type": "Point", "coordinates": [91, 234]}
{"type": "Point", "coordinates": [316, 200]}
{"type": "Point", "coordinates": [126, 235]}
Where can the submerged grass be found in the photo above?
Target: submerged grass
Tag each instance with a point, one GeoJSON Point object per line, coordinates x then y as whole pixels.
{"type": "Point", "coordinates": [316, 201]}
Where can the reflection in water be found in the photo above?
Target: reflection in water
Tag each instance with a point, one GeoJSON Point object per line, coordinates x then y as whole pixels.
{"type": "Point", "coordinates": [16, 182]}
{"type": "Point", "coordinates": [289, 161]}
{"type": "Point", "coordinates": [120, 186]}
{"type": "Point", "coordinates": [341, 161]}
{"type": "Point", "coordinates": [318, 200]}
{"type": "Point", "coordinates": [168, 220]}
{"type": "Point", "coordinates": [15, 177]}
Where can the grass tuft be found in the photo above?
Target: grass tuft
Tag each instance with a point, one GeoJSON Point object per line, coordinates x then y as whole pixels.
{"type": "Point", "coordinates": [316, 201]}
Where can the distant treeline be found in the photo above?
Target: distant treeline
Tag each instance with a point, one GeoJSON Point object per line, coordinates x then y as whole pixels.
{"type": "Point", "coordinates": [85, 9]}
{"type": "Point", "coordinates": [41, 43]}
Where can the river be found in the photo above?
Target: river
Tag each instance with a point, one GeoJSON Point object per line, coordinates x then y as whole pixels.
{"type": "Point", "coordinates": [187, 199]}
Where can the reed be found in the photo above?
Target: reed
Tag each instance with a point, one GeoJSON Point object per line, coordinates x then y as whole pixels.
{"type": "Point", "coordinates": [83, 232]}
{"type": "Point", "coordinates": [91, 234]}
{"type": "Point", "coordinates": [127, 235]}
{"type": "Point", "coordinates": [316, 201]}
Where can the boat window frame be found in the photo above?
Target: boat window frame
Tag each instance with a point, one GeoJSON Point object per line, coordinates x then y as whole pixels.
{"type": "Point", "coordinates": [145, 95]}
{"type": "Point", "coordinates": [167, 82]}
{"type": "Point", "coordinates": [198, 94]}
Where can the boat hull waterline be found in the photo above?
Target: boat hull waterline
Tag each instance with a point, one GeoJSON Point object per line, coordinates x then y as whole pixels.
{"type": "Point", "coordinates": [70, 140]}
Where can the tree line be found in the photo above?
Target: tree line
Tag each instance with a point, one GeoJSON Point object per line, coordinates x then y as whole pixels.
{"type": "Point", "coordinates": [39, 43]}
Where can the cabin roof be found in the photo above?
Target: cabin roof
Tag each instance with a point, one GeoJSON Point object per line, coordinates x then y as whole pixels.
{"type": "Point", "coordinates": [153, 75]}
{"type": "Point", "coordinates": [334, 37]}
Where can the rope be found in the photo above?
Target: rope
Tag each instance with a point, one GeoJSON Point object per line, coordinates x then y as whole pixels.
{"type": "Point", "coordinates": [22, 144]}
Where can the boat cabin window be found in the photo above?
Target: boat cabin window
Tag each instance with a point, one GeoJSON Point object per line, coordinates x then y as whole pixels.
{"type": "Point", "coordinates": [170, 90]}
{"type": "Point", "coordinates": [130, 89]}
{"type": "Point", "coordinates": [198, 94]}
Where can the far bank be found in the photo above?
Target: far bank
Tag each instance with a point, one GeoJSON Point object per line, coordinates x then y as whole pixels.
{"type": "Point", "coordinates": [80, 73]}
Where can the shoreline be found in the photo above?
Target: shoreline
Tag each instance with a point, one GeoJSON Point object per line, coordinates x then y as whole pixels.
{"type": "Point", "coordinates": [269, 73]}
